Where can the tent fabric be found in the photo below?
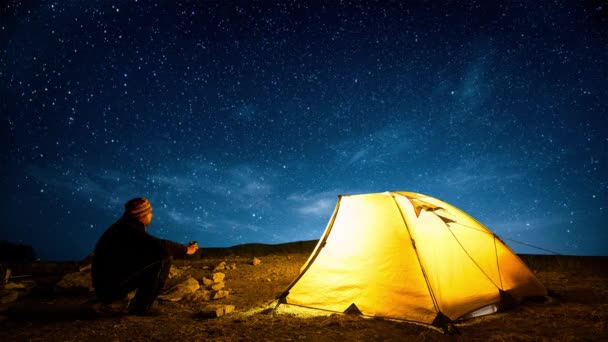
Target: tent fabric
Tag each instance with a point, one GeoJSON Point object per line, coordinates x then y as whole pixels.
{"type": "Point", "coordinates": [408, 256]}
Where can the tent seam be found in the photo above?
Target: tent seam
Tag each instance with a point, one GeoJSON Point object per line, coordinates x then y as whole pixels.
{"type": "Point", "coordinates": [498, 263]}
{"type": "Point", "coordinates": [426, 280]}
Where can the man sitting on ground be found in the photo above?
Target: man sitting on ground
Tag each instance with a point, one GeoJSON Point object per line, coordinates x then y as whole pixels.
{"type": "Point", "coordinates": [128, 258]}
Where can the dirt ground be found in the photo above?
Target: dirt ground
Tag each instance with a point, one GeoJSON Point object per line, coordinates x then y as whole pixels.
{"type": "Point", "coordinates": [576, 311]}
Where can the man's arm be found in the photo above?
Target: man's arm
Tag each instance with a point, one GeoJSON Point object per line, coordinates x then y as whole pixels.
{"type": "Point", "coordinates": [178, 250]}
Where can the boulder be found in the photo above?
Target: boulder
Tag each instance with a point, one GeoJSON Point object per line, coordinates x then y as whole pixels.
{"type": "Point", "coordinates": [207, 282]}
{"type": "Point", "coordinates": [13, 291]}
{"type": "Point", "coordinates": [179, 291]}
{"type": "Point", "coordinates": [5, 274]}
{"type": "Point", "coordinates": [256, 261]}
{"type": "Point", "coordinates": [75, 282]}
{"type": "Point", "coordinates": [199, 296]}
{"type": "Point", "coordinates": [14, 286]}
{"type": "Point", "coordinates": [9, 297]}
{"type": "Point", "coordinates": [214, 311]}
{"type": "Point", "coordinates": [220, 267]}
{"type": "Point", "coordinates": [218, 277]}
{"type": "Point", "coordinates": [218, 286]}
{"type": "Point", "coordinates": [219, 294]}
{"type": "Point", "coordinates": [174, 272]}
{"type": "Point", "coordinates": [85, 268]}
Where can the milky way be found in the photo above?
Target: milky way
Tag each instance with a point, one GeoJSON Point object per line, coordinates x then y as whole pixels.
{"type": "Point", "coordinates": [242, 122]}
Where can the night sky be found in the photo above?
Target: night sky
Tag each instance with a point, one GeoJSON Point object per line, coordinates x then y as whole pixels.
{"type": "Point", "coordinates": [243, 121]}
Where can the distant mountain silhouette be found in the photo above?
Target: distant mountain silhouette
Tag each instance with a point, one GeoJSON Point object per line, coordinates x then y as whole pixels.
{"type": "Point", "coordinates": [16, 253]}
{"type": "Point", "coordinates": [534, 261]}
{"type": "Point", "coordinates": [257, 249]}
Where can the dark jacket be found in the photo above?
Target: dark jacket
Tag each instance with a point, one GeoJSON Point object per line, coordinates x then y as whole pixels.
{"type": "Point", "coordinates": [125, 249]}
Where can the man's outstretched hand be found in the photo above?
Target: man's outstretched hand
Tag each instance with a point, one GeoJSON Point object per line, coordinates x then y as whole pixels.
{"type": "Point", "coordinates": [192, 248]}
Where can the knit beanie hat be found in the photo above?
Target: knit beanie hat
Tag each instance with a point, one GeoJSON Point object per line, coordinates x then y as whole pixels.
{"type": "Point", "coordinates": [138, 207]}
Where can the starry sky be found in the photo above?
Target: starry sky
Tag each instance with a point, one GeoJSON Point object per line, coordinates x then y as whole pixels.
{"type": "Point", "coordinates": [242, 121]}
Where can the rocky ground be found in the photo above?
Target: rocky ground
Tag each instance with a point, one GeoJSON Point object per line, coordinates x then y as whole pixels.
{"type": "Point", "coordinates": [228, 295]}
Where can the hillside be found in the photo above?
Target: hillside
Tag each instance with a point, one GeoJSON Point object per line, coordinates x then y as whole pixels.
{"type": "Point", "coordinates": [576, 310]}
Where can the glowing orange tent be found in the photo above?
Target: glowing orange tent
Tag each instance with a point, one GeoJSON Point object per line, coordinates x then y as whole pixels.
{"type": "Point", "coordinates": [407, 256]}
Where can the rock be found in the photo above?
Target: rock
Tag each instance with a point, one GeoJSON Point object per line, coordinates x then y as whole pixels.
{"type": "Point", "coordinates": [75, 282]}
{"type": "Point", "coordinates": [220, 267]}
{"type": "Point", "coordinates": [214, 311]}
{"type": "Point", "coordinates": [85, 268]}
{"type": "Point", "coordinates": [14, 286]}
{"type": "Point", "coordinates": [207, 282]}
{"type": "Point", "coordinates": [217, 286]}
{"type": "Point", "coordinates": [181, 290]}
{"type": "Point", "coordinates": [219, 294]}
{"type": "Point", "coordinates": [5, 274]}
{"type": "Point", "coordinates": [13, 291]}
{"type": "Point", "coordinates": [256, 261]}
{"type": "Point", "coordinates": [200, 296]}
{"type": "Point", "coordinates": [218, 277]}
{"type": "Point", "coordinates": [9, 297]}
{"type": "Point", "coordinates": [174, 272]}
{"type": "Point", "coordinates": [232, 266]}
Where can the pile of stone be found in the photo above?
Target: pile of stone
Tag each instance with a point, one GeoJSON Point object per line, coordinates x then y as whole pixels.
{"type": "Point", "coordinates": [204, 290]}
{"type": "Point", "coordinates": [222, 266]}
{"type": "Point", "coordinates": [207, 289]}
